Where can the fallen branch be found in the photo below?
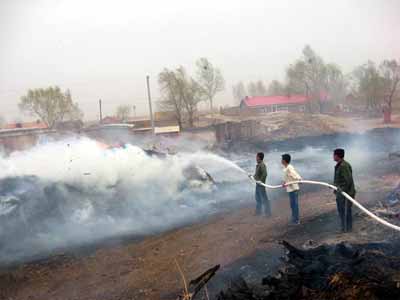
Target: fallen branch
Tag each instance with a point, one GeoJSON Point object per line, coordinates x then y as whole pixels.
{"type": "Point", "coordinates": [196, 284]}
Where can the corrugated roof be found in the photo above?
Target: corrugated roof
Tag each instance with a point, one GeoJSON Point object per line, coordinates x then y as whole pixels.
{"type": "Point", "coordinates": [276, 100]}
{"type": "Point", "coordinates": [117, 125]}
{"type": "Point", "coordinates": [138, 119]}
{"type": "Point", "coordinates": [26, 125]}
{"type": "Point", "coordinates": [166, 129]}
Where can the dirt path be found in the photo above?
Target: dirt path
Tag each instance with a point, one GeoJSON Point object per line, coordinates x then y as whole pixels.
{"type": "Point", "coordinates": [147, 270]}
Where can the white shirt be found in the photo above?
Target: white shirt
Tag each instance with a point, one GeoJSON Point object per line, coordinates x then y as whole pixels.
{"type": "Point", "coordinates": [289, 175]}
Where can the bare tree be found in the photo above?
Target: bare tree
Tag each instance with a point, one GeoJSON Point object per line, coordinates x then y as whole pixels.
{"type": "Point", "coordinates": [276, 88]}
{"type": "Point", "coordinates": [261, 89]}
{"type": "Point", "coordinates": [239, 92]}
{"type": "Point", "coordinates": [368, 85]}
{"type": "Point", "coordinates": [171, 98]}
{"type": "Point", "coordinates": [123, 112]}
{"type": "Point", "coordinates": [209, 79]}
{"type": "Point", "coordinates": [51, 105]}
{"type": "Point", "coordinates": [308, 76]}
{"type": "Point", "coordinates": [181, 94]}
{"type": "Point", "coordinates": [390, 70]}
{"type": "Point", "coordinates": [252, 89]}
{"type": "Point", "coordinates": [297, 83]}
{"type": "Point", "coordinates": [336, 84]}
{"type": "Point", "coordinates": [257, 88]}
{"type": "Point", "coordinates": [191, 93]}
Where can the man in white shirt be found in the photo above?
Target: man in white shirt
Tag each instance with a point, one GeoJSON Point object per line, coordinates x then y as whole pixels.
{"type": "Point", "coordinates": [290, 175]}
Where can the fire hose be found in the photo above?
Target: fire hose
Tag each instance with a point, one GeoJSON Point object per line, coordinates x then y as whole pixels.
{"type": "Point", "coordinates": [334, 188]}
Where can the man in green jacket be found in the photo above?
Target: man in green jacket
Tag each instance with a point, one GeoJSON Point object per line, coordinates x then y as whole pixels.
{"type": "Point", "coordinates": [261, 194]}
{"type": "Point", "coordinates": [343, 180]}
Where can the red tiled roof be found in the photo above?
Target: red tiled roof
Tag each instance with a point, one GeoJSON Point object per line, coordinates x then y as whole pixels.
{"type": "Point", "coordinates": [275, 100]}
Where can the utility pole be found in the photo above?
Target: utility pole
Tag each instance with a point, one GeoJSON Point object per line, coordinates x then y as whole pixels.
{"type": "Point", "coordinates": [134, 111]}
{"type": "Point", "coordinates": [149, 95]}
{"type": "Point", "coordinates": [101, 114]}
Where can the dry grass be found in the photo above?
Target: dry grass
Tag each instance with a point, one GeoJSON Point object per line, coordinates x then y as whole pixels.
{"type": "Point", "coordinates": [185, 295]}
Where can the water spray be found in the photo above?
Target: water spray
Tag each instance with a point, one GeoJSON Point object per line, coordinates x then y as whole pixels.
{"type": "Point", "coordinates": [330, 186]}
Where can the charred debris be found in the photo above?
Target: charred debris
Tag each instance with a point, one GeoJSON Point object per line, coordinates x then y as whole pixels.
{"type": "Point", "coordinates": [342, 272]}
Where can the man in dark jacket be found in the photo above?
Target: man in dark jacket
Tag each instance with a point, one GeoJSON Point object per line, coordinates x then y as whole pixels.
{"type": "Point", "coordinates": [261, 193]}
{"type": "Point", "coordinates": [343, 180]}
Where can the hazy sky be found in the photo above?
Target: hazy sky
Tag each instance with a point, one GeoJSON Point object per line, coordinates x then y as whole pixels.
{"type": "Point", "coordinates": [105, 49]}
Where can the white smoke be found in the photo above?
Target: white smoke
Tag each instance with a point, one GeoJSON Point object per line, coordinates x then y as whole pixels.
{"type": "Point", "coordinates": [103, 192]}
{"type": "Point", "coordinates": [82, 192]}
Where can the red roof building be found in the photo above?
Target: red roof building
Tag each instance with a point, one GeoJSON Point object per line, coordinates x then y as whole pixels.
{"type": "Point", "coordinates": [27, 125]}
{"type": "Point", "coordinates": [274, 100]}
{"type": "Point", "coordinates": [265, 104]}
{"type": "Point", "coordinates": [110, 120]}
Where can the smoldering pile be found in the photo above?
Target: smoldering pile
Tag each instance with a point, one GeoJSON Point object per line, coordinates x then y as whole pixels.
{"type": "Point", "coordinates": [342, 271]}
{"type": "Point", "coordinates": [68, 193]}
{"type": "Point", "coordinates": [38, 215]}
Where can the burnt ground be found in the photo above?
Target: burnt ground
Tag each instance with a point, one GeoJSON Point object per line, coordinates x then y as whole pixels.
{"type": "Point", "coordinates": [127, 268]}
{"type": "Point", "coordinates": [243, 244]}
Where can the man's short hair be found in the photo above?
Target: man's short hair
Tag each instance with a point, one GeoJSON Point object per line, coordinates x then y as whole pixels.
{"type": "Point", "coordinates": [286, 157]}
{"type": "Point", "coordinates": [339, 152]}
{"type": "Point", "coordinates": [260, 155]}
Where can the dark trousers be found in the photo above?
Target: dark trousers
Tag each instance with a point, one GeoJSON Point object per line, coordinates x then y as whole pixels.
{"type": "Point", "coordinates": [294, 205]}
{"type": "Point", "coordinates": [262, 201]}
{"type": "Point", "coordinates": [344, 210]}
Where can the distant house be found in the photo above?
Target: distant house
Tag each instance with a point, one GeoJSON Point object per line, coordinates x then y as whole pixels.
{"type": "Point", "coordinates": [23, 135]}
{"type": "Point", "coordinates": [110, 120]}
{"type": "Point", "coordinates": [267, 104]}
{"type": "Point", "coordinates": [160, 119]}
{"type": "Point", "coordinates": [140, 122]}
{"type": "Point", "coordinates": [26, 125]}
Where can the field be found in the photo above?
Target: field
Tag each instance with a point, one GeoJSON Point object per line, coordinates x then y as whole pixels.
{"type": "Point", "coordinates": [243, 244]}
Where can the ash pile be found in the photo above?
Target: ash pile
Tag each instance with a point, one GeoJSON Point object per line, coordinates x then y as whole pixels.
{"type": "Point", "coordinates": [341, 271]}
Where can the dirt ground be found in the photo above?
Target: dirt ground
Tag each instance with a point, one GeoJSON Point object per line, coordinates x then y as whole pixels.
{"type": "Point", "coordinates": [241, 243]}
{"type": "Point", "coordinates": [285, 125]}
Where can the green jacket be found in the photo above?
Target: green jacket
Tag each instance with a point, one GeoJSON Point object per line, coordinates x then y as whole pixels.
{"type": "Point", "coordinates": [344, 178]}
{"type": "Point", "coordinates": [261, 172]}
